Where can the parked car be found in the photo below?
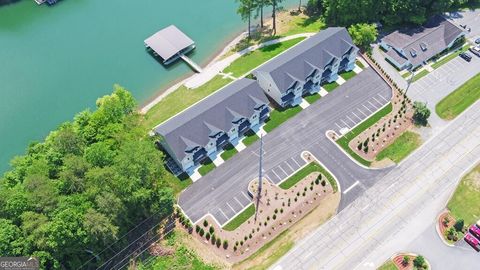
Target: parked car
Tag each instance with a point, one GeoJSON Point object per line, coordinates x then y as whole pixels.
{"type": "Point", "coordinates": [466, 56]}
{"type": "Point", "coordinates": [472, 241]}
{"type": "Point", "coordinates": [477, 41]}
{"type": "Point", "coordinates": [475, 50]}
{"type": "Point", "coordinates": [475, 231]}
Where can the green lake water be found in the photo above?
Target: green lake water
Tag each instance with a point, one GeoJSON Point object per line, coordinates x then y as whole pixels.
{"type": "Point", "coordinates": [56, 61]}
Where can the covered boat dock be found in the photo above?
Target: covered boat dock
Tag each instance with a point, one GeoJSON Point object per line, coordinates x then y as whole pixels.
{"type": "Point", "coordinates": [170, 44]}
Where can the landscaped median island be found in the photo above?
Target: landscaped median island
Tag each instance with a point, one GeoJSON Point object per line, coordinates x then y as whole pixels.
{"type": "Point", "coordinates": [463, 209]}
{"type": "Point", "coordinates": [252, 237]}
{"type": "Point", "coordinates": [405, 261]}
{"type": "Point", "coordinates": [460, 99]}
{"type": "Point", "coordinates": [401, 147]}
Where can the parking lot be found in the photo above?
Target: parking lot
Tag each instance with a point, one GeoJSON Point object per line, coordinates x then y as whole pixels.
{"type": "Point", "coordinates": [359, 113]}
{"type": "Point", "coordinates": [223, 193]}
{"type": "Point", "coordinates": [285, 169]}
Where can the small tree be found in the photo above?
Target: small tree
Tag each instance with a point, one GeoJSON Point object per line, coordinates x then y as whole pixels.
{"type": "Point", "coordinates": [218, 242]}
{"type": "Point", "coordinates": [419, 261]}
{"type": "Point", "coordinates": [363, 34]}
{"type": "Point", "coordinates": [212, 230]}
{"type": "Point", "coordinates": [213, 239]}
{"type": "Point", "coordinates": [207, 235]}
{"type": "Point", "coordinates": [459, 225]}
{"type": "Point", "coordinates": [405, 260]}
{"type": "Point", "coordinates": [205, 223]}
{"type": "Point", "coordinates": [421, 114]}
{"type": "Point", "coordinates": [202, 232]}
{"type": "Point", "coordinates": [197, 228]}
{"type": "Point", "coordinates": [225, 244]}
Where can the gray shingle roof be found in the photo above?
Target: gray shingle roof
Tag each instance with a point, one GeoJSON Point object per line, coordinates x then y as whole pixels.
{"type": "Point", "coordinates": [436, 34]}
{"type": "Point", "coordinates": [318, 51]}
{"type": "Point", "coordinates": [168, 41]}
{"type": "Point", "coordinates": [215, 113]}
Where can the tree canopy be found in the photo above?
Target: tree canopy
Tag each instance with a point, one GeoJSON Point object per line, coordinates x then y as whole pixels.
{"type": "Point", "coordinates": [363, 34]}
{"type": "Point", "coordinates": [87, 184]}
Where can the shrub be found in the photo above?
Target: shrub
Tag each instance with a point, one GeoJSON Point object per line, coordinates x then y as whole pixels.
{"type": "Point", "coordinates": [213, 239]}
{"type": "Point", "coordinates": [366, 149]}
{"type": "Point", "coordinates": [225, 244]}
{"type": "Point", "coordinates": [304, 194]}
{"type": "Point", "coordinates": [265, 224]}
{"type": "Point", "coordinates": [212, 230]}
{"type": "Point", "coordinates": [205, 223]}
{"type": "Point", "coordinates": [236, 243]}
{"type": "Point", "coordinates": [234, 248]}
{"type": "Point", "coordinates": [250, 236]}
{"type": "Point", "coordinates": [207, 235]}
{"type": "Point", "coordinates": [419, 261]}
{"type": "Point", "coordinates": [324, 183]}
{"type": "Point", "coordinates": [459, 225]}
{"type": "Point", "coordinates": [317, 181]}
{"type": "Point", "coordinates": [197, 228]}
{"type": "Point", "coordinates": [405, 260]}
{"type": "Point", "coordinates": [202, 232]}
{"type": "Point", "coordinates": [281, 210]}
{"type": "Point", "coordinates": [241, 243]}
{"type": "Point", "coordinates": [311, 188]}
{"type": "Point", "coordinates": [274, 216]}
{"type": "Point", "coordinates": [275, 211]}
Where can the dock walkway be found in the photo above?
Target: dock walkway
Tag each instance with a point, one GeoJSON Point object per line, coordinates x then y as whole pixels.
{"type": "Point", "coordinates": [189, 61]}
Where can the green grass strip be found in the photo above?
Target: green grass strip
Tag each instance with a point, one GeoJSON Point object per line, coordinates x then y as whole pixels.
{"type": "Point", "coordinates": [255, 58]}
{"type": "Point", "coordinates": [451, 56]}
{"type": "Point", "coordinates": [348, 75]}
{"type": "Point", "coordinates": [420, 75]}
{"type": "Point", "coordinates": [312, 98]}
{"type": "Point", "coordinates": [345, 140]}
{"type": "Point", "coordinates": [460, 99]}
{"type": "Point", "coordinates": [277, 117]}
{"type": "Point", "coordinates": [359, 64]}
{"type": "Point", "coordinates": [329, 87]}
{"type": "Point", "coordinates": [206, 167]}
{"type": "Point", "coordinates": [304, 172]}
{"type": "Point", "coordinates": [465, 202]}
{"type": "Point", "coordinates": [250, 138]}
{"type": "Point", "coordinates": [240, 219]}
{"type": "Point", "coordinates": [229, 152]}
{"type": "Point", "coordinates": [401, 147]}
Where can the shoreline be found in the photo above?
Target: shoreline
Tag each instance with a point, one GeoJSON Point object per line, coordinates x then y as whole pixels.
{"type": "Point", "coordinates": [161, 93]}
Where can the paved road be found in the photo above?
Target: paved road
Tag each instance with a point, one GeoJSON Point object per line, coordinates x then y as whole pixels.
{"type": "Point", "coordinates": [471, 18]}
{"type": "Point", "coordinates": [393, 213]}
{"type": "Point", "coordinates": [223, 192]}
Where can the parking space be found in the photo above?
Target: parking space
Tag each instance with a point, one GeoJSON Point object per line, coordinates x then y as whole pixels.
{"type": "Point", "coordinates": [359, 113]}
{"type": "Point", "coordinates": [227, 210]}
{"type": "Point", "coordinates": [285, 169]}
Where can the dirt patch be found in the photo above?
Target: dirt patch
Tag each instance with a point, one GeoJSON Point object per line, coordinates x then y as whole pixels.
{"type": "Point", "coordinates": [278, 211]}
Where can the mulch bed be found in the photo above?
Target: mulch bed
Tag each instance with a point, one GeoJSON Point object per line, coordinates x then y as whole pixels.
{"type": "Point", "coordinates": [445, 226]}
{"type": "Point", "coordinates": [399, 259]}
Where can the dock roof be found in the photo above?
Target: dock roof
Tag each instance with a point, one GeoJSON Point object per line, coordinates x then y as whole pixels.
{"type": "Point", "coordinates": [168, 42]}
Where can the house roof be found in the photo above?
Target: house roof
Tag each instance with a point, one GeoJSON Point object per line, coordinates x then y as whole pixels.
{"type": "Point", "coordinates": [298, 61]}
{"type": "Point", "coordinates": [420, 44]}
{"type": "Point", "coordinates": [215, 113]}
{"type": "Point", "coordinates": [168, 42]}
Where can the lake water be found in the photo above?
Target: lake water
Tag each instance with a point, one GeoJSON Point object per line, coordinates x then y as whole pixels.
{"type": "Point", "coordinates": [56, 61]}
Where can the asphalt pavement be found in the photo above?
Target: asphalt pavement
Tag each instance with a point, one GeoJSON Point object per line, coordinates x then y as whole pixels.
{"type": "Point", "coordinates": [223, 192]}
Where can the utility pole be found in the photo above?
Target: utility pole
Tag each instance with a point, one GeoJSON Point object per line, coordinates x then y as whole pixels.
{"type": "Point", "coordinates": [410, 80]}
{"type": "Point", "coordinates": [260, 177]}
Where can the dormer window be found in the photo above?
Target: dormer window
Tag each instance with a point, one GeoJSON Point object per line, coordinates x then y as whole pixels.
{"type": "Point", "coordinates": [423, 45]}
{"type": "Point", "coordinates": [413, 53]}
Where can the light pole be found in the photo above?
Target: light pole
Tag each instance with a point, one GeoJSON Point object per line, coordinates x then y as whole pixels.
{"type": "Point", "coordinates": [410, 80]}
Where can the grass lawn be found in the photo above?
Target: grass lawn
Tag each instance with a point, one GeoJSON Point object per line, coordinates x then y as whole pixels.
{"type": "Point", "coordinates": [465, 202]}
{"type": "Point", "coordinates": [329, 87]}
{"type": "Point", "coordinates": [348, 75]}
{"type": "Point", "coordinates": [278, 117]}
{"type": "Point", "coordinates": [250, 137]}
{"type": "Point", "coordinates": [312, 98]}
{"type": "Point", "coordinates": [181, 99]}
{"type": "Point", "coordinates": [388, 266]}
{"type": "Point", "coordinates": [240, 219]}
{"type": "Point", "coordinates": [345, 140]}
{"type": "Point", "coordinates": [406, 75]}
{"type": "Point", "coordinates": [229, 152]}
{"type": "Point", "coordinates": [450, 56]}
{"type": "Point", "coordinates": [253, 59]}
{"type": "Point", "coordinates": [303, 24]}
{"type": "Point", "coordinates": [401, 147]}
{"type": "Point", "coordinates": [420, 75]}
{"type": "Point", "coordinates": [177, 183]}
{"type": "Point", "coordinates": [304, 172]}
{"type": "Point", "coordinates": [359, 64]}
{"type": "Point", "coordinates": [460, 99]}
{"type": "Point", "coordinates": [207, 166]}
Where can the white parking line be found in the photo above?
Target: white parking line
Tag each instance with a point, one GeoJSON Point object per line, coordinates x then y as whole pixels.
{"type": "Point", "coordinates": [350, 188]}
{"type": "Point", "coordinates": [339, 127]}
{"type": "Point", "coordinates": [289, 166]}
{"type": "Point", "coordinates": [357, 116]}
{"type": "Point", "coordinates": [372, 104]}
{"type": "Point", "coordinates": [276, 174]}
{"type": "Point", "coordinates": [239, 202]}
{"type": "Point", "coordinates": [294, 160]}
{"type": "Point", "coordinates": [245, 195]}
{"type": "Point", "coordinates": [367, 108]}
{"type": "Point", "coordinates": [386, 100]}
{"type": "Point", "coordinates": [268, 178]}
{"type": "Point", "coordinates": [231, 208]}
{"type": "Point", "coordinates": [280, 167]}
{"type": "Point", "coordinates": [358, 109]}
{"type": "Point", "coordinates": [345, 123]}
{"type": "Point", "coordinates": [226, 217]}
{"type": "Point", "coordinates": [377, 101]}
{"type": "Point", "coordinates": [350, 119]}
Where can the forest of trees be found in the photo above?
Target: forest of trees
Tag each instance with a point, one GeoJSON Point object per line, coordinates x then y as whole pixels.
{"type": "Point", "coordinates": [388, 12]}
{"type": "Point", "coordinates": [87, 184]}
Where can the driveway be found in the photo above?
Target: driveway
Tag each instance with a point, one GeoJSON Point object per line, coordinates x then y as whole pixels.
{"type": "Point", "coordinates": [223, 192]}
